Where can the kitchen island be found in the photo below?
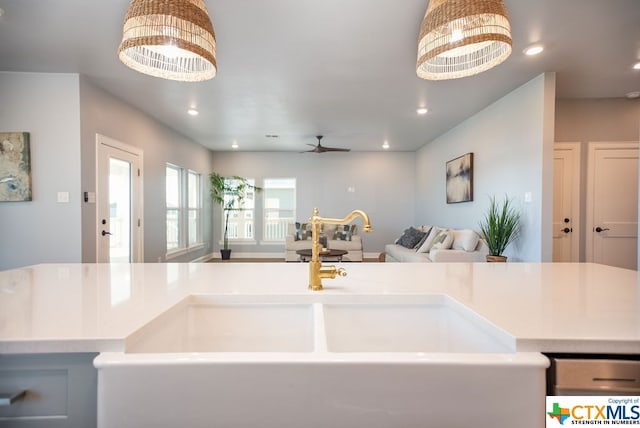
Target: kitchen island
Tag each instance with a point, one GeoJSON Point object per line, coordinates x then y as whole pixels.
{"type": "Point", "coordinates": [87, 309]}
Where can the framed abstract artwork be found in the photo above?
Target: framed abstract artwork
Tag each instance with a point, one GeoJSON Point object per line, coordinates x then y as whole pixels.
{"type": "Point", "coordinates": [15, 167]}
{"type": "Point", "coordinates": [460, 179]}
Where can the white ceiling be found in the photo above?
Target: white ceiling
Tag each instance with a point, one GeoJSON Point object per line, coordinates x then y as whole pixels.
{"type": "Point", "coordinates": [344, 69]}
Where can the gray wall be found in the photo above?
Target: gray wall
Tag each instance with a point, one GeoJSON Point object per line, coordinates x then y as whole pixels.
{"type": "Point", "coordinates": [107, 115]}
{"type": "Point", "coordinates": [63, 113]}
{"type": "Point", "coordinates": [607, 119]}
{"type": "Point", "coordinates": [512, 142]}
{"type": "Point", "coordinates": [43, 230]}
{"type": "Point", "coordinates": [383, 184]}
{"type": "Point", "coordinates": [595, 120]}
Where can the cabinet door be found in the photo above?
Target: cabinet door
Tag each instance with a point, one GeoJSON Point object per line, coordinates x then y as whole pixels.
{"type": "Point", "coordinates": [61, 390]}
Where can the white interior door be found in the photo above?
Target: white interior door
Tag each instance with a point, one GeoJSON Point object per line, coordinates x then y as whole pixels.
{"type": "Point", "coordinates": [119, 202]}
{"type": "Point", "coordinates": [612, 204]}
{"type": "Point", "coordinates": [566, 202]}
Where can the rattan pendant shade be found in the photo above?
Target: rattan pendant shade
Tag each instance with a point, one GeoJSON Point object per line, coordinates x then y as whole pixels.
{"type": "Point", "coordinates": [171, 39]}
{"type": "Point", "coordinates": [460, 38]}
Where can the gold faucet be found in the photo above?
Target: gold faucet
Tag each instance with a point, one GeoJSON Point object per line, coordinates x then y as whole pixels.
{"type": "Point", "coordinates": [316, 270]}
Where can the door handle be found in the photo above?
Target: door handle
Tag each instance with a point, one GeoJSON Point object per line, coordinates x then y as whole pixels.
{"type": "Point", "coordinates": [9, 399]}
{"type": "Point", "coordinates": [567, 230]}
{"type": "Point", "coordinates": [601, 229]}
{"type": "Point", "coordinates": [104, 232]}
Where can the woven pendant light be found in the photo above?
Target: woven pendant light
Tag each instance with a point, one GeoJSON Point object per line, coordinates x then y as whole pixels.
{"type": "Point", "coordinates": [171, 39]}
{"type": "Point", "coordinates": [460, 38]}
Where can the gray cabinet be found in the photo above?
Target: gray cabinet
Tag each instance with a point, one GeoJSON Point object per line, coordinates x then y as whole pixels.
{"type": "Point", "coordinates": [61, 390]}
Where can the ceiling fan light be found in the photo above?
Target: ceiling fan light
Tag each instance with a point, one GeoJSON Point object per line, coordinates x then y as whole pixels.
{"type": "Point", "coordinates": [170, 39]}
{"type": "Point", "coordinates": [460, 38]}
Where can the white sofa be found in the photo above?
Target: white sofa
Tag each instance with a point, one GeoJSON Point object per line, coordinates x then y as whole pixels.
{"type": "Point", "coordinates": [463, 245]}
{"type": "Point", "coordinates": [351, 242]}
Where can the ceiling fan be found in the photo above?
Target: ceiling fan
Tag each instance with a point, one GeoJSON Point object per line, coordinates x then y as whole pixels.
{"type": "Point", "coordinates": [322, 149]}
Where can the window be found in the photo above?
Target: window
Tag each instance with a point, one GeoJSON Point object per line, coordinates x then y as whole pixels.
{"type": "Point", "coordinates": [172, 190]}
{"type": "Point", "coordinates": [184, 209]}
{"type": "Point", "coordinates": [241, 217]}
{"type": "Point", "coordinates": [279, 207]}
{"type": "Point", "coordinates": [194, 206]}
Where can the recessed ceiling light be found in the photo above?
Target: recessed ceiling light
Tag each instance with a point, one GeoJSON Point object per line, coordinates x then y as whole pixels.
{"type": "Point", "coordinates": [385, 145]}
{"type": "Point", "coordinates": [193, 112]}
{"type": "Point", "coordinates": [636, 66]}
{"type": "Point", "coordinates": [422, 110]}
{"type": "Point", "coordinates": [533, 50]}
{"type": "Point", "coordinates": [234, 145]}
{"type": "Point", "coordinates": [633, 95]}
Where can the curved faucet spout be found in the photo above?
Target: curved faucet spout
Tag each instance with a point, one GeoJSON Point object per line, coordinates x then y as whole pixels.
{"type": "Point", "coordinates": [316, 270]}
{"type": "Point", "coordinates": [315, 218]}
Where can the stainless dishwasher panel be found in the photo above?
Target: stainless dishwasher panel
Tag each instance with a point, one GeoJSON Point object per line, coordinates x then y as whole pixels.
{"type": "Point", "coordinates": [576, 376]}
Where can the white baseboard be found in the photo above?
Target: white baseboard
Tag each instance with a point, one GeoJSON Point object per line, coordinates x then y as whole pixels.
{"type": "Point", "coordinates": [203, 259]}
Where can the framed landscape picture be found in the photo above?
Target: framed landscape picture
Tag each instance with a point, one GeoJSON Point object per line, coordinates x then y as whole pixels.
{"type": "Point", "coordinates": [15, 167]}
{"type": "Point", "coordinates": [460, 179]}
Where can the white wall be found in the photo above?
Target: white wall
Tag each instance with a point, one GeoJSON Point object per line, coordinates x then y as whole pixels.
{"type": "Point", "coordinates": [512, 142]}
{"type": "Point", "coordinates": [43, 230]}
{"type": "Point", "coordinates": [383, 185]}
{"type": "Point", "coordinates": [107, 115]}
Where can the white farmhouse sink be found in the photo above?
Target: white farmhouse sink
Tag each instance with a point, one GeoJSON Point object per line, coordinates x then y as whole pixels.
{"type": "Point", "coordinates": [330, 324]}
{"type": "Point", "coordinates": [198, 324]}
{"type": "Point", "coordinates": [320, 360]}
{"type": "Point", "coordinates": [406, 328]}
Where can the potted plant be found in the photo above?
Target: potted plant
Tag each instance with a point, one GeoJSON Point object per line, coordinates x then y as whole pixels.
{"type": "Point", "coordinates": [235, 189]}
{"type": "Point", "coordinates": [500, 227]}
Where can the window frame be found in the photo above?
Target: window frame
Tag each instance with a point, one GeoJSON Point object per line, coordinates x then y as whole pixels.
{"type": "Point", "coordinates": [199, 239]}
{"type": "Point", "coordinates": [177, 210]}
{"type": "Point", "coordinates": [184, 209]}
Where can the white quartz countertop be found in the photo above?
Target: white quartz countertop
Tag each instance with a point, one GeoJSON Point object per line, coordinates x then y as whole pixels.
{"type": "Point", "coordinates": [546, 307]}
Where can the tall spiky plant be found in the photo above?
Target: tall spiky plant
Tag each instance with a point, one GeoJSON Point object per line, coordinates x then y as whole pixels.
{"type": "Point", "coordinates": [501, 226]}
{"type": "Point", "coordinates": [236, 189]}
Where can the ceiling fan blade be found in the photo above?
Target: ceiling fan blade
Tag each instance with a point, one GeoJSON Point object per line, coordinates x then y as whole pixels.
{"type": "Point", "coordinates": [334, 149]}
{"type": "Point", "coordinates": [319, 148]}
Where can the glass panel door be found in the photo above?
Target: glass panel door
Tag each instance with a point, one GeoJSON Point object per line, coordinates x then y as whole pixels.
{"type": "Point", "coordinates": [118, 202]}
{"type": "Point", "coordinates": [119, 210]}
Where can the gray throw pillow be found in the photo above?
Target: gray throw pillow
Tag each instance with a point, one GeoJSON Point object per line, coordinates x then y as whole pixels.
{"type": "Point", "coordinates": [410, 238]}
{"type": "Point", "coordinates": [345, 232]}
